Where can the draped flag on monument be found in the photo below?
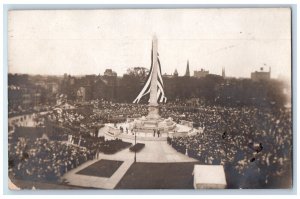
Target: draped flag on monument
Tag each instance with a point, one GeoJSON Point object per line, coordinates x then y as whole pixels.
{"type": "Point", "coordinates": [160, 94]}
{"type": "Point", "coordinates": [160, 85]}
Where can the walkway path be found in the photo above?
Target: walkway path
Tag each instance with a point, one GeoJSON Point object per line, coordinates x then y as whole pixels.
{"type": "Point", "coordinates": [154, 151]}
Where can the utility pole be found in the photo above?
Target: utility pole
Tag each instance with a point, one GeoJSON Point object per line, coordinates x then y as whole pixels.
{"type": "Point", "coordinates": [135, 145]}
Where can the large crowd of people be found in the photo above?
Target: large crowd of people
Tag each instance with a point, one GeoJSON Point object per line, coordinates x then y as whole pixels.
{"type": "Point", "coordinates": [61, 140]}
{"type": "Point", "coordinates": [254, 145]}
{"type": "Point", "coordinates": [119, 112]}
{"type": "Point", "coordinates": [44, 160]}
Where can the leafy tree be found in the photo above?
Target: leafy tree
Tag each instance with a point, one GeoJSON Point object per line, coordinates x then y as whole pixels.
{"type": "Point", "coordinates": [140, 72]}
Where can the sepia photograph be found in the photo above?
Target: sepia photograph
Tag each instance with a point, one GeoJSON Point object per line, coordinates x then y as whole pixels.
{"type": "Point", "coordinates": [150, 99]}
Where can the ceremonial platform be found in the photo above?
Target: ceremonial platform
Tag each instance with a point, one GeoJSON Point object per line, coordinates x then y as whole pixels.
{"type": "Point", "coordinates": [143, 129]}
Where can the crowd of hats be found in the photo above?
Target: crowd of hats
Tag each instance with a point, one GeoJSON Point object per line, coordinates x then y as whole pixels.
{"type": "Point", "coordinates": [47, 160]}
{"type": "Point", "coordinates": [253, 144]}
{"type": "Point", "coordinates": [61, 142]}
{"type": "Point", "coordinates": [44, 160]}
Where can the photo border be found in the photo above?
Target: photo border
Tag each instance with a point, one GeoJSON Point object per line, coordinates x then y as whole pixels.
{"type": "Point", "coordinates": [8, 7]}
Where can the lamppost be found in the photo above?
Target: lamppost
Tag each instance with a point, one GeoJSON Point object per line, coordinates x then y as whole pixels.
{"type": "Point", "coordinates": [135, 145]}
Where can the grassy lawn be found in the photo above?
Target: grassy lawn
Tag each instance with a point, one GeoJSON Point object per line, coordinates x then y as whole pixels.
{"type": "Point", "coordinates": [158, 176]}
{"type": "Point", "coordinates": [101, 168]}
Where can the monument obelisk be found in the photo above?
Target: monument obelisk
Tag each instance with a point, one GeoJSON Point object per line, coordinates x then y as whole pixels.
{"type": "Point", "coordinates": [153, 85]}
{"type": "Point", "coordinates": [153, 105]}
{"type": "Point", "coordinates": [147, 127]}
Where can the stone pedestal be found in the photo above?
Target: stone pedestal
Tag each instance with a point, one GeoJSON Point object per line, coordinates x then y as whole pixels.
{"type": "Point", "coordinates": [153, 113]}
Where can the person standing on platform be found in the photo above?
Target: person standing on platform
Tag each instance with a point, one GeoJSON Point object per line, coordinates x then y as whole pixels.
{"type": "Point", "coordinates": [158, 132]}
{"type": "Point", "coordinates": [153, 132]}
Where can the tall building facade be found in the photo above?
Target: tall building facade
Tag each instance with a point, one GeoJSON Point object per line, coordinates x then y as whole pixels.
{"type": "Point", "coordinates": [201, 73]}
{"type": "Point", "coordinates": [261, 75]}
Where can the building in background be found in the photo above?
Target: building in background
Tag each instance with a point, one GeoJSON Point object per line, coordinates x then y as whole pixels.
{"type": "Point", "coordinates": [200, 74]}
{"type": "Point", "coordinates": [261, 75]}
{"type": "Point", "coordinates": [175, 74]}
{"type": "Point", "coordinates": [110, 73]}
{"type": "Point", "coordinates": [167, 75]}
{"type": "Point", "coordinates": [53, 87]}
{"type": "Point", "coordinates": [81, 94]}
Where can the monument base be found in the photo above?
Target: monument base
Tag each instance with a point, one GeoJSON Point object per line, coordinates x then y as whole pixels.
{"type": "Point", "coordinates": [153, 113]}
{"type": "Point", "coordinates": [147, 128]}
{"type": "Point", "coordinates": [151, 127]}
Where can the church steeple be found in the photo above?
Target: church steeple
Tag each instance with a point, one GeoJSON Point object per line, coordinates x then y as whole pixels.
{"type": "Point", "coordinates": [187, 72]}
{"type": "Point", "coordinates": [175, 74]}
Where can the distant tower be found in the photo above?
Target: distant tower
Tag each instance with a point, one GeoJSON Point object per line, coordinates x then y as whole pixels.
{"type": "Point", "coordinates": [175, 74]}
{"type": "Point", "coordinates": [187, 72]}
{"type": "Point", "coordinates": [223, 72]}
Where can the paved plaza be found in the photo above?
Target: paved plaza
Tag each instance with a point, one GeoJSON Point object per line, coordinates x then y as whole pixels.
{"type": "Point", "coordinates": [154, 152]}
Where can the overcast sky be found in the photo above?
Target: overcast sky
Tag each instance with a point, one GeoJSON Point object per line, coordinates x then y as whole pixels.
{"type": "Point", "coordinates": [88, 42]}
